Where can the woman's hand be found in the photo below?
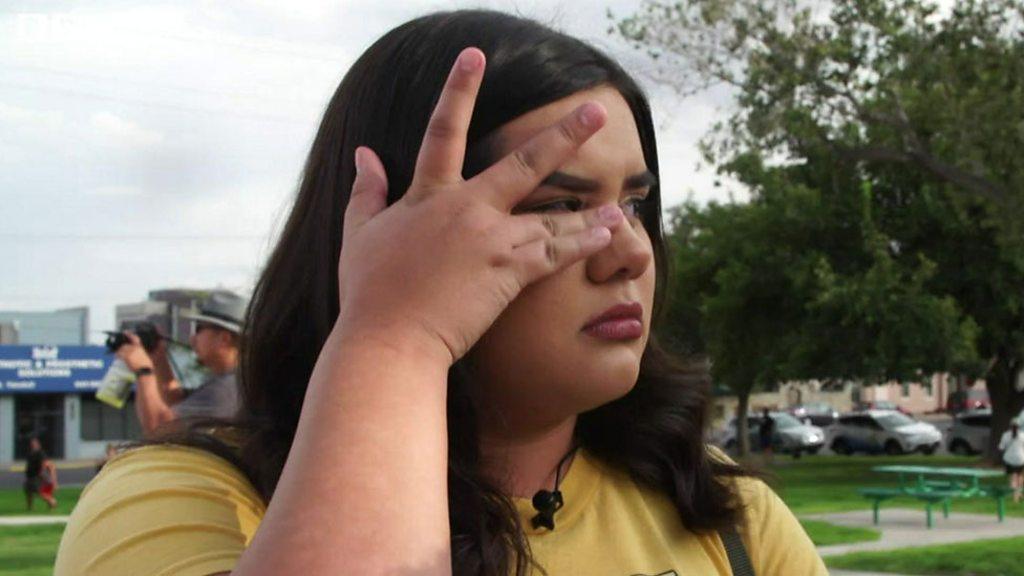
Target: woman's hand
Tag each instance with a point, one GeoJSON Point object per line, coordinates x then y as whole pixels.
{"type": "Point", "coordinates": [434, 270]}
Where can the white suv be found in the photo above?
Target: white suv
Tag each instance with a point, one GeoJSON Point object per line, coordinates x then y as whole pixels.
{"type": "Point", "coordinates": [886, 431]}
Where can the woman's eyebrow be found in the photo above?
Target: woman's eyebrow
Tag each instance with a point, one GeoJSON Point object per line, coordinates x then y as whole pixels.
{"type": "Point", "coordinates": [578, 184]}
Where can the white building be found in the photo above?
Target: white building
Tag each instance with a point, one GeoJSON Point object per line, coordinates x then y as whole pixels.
{"type": "Point", "coordinates": [48, 377]}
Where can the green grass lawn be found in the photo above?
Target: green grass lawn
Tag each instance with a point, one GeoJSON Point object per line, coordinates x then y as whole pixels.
{"type": "Point", "coordinates": [820, 484]}
{"type": "Point", "coordinates": [825, 534]}
{"type": "Point", "coordinates": [983, 558]}
{"type": "Point", "coordinates": [12, 503]}
{"type": "Point", "coordinates": [29, 550]}
{"type": "Point", "coordinates": [815, 484]}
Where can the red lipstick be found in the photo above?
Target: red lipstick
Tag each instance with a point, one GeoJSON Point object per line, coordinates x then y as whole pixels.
{"type": "Point", "coordinates": [620, 322]}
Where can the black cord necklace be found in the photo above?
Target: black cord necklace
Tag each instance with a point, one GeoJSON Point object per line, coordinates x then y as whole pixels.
{"type": "Point", "coordinates": [548, 502]}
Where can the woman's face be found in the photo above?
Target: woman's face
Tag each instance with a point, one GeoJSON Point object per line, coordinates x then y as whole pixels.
{"type": "Point", "coordinates": [537, 364]}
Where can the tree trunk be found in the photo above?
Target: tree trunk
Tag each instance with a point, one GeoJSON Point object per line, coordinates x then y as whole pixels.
{"type": "Point", "coordinates": [1007, 401]}
{"type": "Point", "coordinates": [742, 432]}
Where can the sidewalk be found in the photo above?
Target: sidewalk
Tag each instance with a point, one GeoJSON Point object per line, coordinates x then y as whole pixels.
{"type": "Point", "coordinates": [60, 464]}
{"type": "Point", "coordinates": [905, 528]}
{"type": "Point", "coordinates": [851, 573]}
{"type": "Point", "coordinates": [32, 520]}
{"type": "Point", "coordinates": [70, 472]}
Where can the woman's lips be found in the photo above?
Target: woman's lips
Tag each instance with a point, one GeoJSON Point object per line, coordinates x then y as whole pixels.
{"type": "Point", "coordinates": [617, 329]}
{"type": "Point", "coordinates": [620, 322]}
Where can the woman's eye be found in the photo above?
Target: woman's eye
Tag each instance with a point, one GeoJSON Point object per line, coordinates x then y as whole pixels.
{"type": "Point", "coordinates": [567, 205]}
{"type": "Point", "coordinates": [633, 207]}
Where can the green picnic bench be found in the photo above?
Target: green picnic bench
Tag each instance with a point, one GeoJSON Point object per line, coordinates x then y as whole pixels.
{"type": "Point", "coordinates": [999, 493]}
{"type": "Point", "coordinates": [879, 495]}
{"type": "Point", "coordinates": [936, 485]}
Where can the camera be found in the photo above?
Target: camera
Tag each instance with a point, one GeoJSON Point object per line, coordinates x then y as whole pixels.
{"type": "Point", "coordinates": [146, 331]}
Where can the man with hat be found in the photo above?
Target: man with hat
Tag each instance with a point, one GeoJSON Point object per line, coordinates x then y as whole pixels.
{"type": "Point", "coordinates": [159, 399]}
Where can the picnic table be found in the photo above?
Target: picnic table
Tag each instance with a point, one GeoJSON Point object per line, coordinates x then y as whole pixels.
{"type": "Point", "coordinates": [937, 485]}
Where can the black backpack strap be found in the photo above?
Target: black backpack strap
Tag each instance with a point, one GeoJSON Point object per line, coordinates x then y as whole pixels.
{"type": "Point", "coordinates": [737, 552]}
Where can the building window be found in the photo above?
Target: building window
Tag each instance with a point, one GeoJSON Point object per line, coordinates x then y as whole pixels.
{"type": "Point", "coordinates": [905, 386]}
{"type": "Point", "coordinates": [102, 422]}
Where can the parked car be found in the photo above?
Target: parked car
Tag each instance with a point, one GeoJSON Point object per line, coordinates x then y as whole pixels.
{"type": "Point", "coordinates": [818, 414]}
{"type": "Point", "coordinates": [970, 432]}
{"type": "Point", "coordinates": [880, 405]}
{"type": "Point", "coordinates": [886, 431]}
{"type": "Point", "coordinates": [973, 399]}
{"type": "Point", "coordinates": [790, 436]}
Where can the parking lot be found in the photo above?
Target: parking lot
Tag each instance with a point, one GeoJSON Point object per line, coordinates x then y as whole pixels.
{"type": "Point", "coordinates": [942, 421]}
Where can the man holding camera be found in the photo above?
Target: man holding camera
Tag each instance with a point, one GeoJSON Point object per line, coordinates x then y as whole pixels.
{"type": "Point", "coordinates": [159, 398]}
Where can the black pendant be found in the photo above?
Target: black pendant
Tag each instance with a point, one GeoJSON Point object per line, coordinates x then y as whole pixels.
{"type": "Point", "coordinates": [546, 503]}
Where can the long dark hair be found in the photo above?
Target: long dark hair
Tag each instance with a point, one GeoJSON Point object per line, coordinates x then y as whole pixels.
{"type": "Point", "coordinates": [655, 432]}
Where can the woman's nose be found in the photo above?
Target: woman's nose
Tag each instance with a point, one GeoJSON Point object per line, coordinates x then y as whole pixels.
{"type": "Point", "coordinates": [626, 257]}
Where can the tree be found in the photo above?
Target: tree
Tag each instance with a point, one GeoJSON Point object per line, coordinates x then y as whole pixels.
{"type": "Point", "coordinates": [925, 108]}
{"type": "Point", "coordinates": [756, 288]}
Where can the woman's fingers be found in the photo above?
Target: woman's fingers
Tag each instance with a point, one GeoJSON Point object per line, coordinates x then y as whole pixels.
{"type": "Point", "coordinates": [541, 258]}
{"type": "Point", "coordinates": [443, 149]}
{"type": "Point", "coordinates": [516, 175]}
{"type": "Point", "coordinates": [527, 228]}
{"type": "Point", "coordinates": [369, 190]}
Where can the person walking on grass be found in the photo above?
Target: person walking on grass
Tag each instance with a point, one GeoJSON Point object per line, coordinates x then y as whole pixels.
{"type": "Point", "coordinates": [1012, 447]}
{"type": "Point", "coordinates": [40, 476]}
{"type": "Point", "coordinates": [766, 434]}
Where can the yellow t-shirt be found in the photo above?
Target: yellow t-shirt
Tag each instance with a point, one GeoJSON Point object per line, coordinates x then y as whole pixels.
{"type": "Point", "coordinates": [178, 511]}
{"type": "Point", "coordinates": [161, 510]}
{"type": "Point", "coordinates": [610, 526]}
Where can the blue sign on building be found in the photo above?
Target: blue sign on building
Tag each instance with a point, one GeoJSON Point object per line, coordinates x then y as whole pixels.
{"type": "Point", "coordinates": [62, 369]}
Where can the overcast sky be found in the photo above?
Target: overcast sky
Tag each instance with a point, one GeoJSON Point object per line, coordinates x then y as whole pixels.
{"type": "Point", "coordinates": [149, 145]}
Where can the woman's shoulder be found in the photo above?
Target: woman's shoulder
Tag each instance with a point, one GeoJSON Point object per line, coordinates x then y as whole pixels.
{"type": "Point", "coordinates": [761, 504]}
{"type": "Point", "coordinates": [167, 463]}
{"type": "Point", "coordinates": [168, 478]}
{"type": "Point", "coordinates": [161, 504]}
{"type": "Point", "coordinates": [776, 542]}
{"type": "Point", "coordinates": [754, 493]}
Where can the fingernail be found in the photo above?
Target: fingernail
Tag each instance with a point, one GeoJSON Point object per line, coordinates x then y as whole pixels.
{"type": "Point", "coordinates": [359, 160]}
{"type": "Point", "coordinates": [609, 213]}
{"type": "Point", "coordinates": [470, 60]}
{"type": "Point", "coordinates": [600, 234]}
{"type": "Point", "coordinates": [590, 115]}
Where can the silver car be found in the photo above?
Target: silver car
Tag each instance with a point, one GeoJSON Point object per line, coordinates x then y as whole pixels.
{"type": "Point", "coordinates": [886, 431]}
{"type": "Point", "coordinates": [790, 435]}
{"type": "Point", "coordinates": [970, 432]}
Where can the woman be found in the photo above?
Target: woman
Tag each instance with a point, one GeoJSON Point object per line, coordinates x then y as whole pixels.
{"type": "Point", "coordinates": [1012, 446]}
{"type": "Point", "coordinates": [449, 365]}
